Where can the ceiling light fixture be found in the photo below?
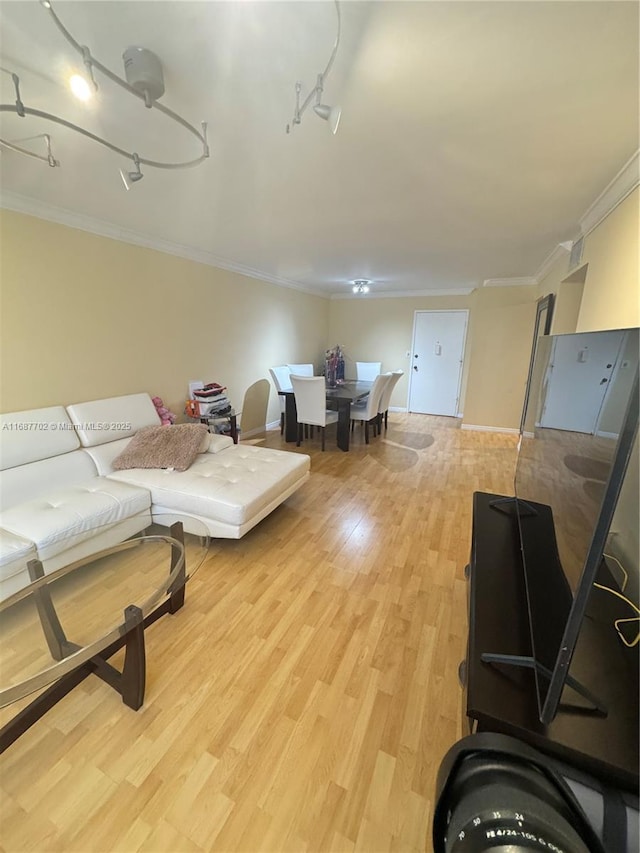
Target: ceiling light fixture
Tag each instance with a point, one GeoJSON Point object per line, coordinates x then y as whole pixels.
{"type": "Point", "coordinates": [361, 285]}
{"type": "Point", "coordinates": [13, 146]}
{"type": "Point", "coordinates": [80, 87]}
{"type": "Point", "coordinates": [143, 72]}
{"type": "Point", "coordinates": [329, 114]}
{"type": "Point", "coordinates": [129, 178]}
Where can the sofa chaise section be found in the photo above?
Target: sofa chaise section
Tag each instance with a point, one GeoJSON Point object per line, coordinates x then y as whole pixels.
{"type": "Point", "coordinates": [230, 487]}
{"type": "Point", "coordinates": [230, 492]}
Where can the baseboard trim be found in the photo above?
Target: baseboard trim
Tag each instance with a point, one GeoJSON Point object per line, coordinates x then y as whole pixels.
{"type": "Point", "coordinates": [480, 428]}
{"type": "Point", "coordinates": [258, 430]}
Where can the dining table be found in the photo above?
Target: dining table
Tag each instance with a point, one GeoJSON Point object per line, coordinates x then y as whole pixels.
{"type": "Point", "coordinates": [339, 398]}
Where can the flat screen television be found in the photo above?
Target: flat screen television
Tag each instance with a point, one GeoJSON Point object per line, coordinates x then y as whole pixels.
{"type": "Point", "coordinates": [578, 432]}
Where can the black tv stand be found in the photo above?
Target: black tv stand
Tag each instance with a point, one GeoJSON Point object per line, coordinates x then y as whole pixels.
{"type": "Point", "coordinates": [531, 663]}
{"type": "Point", "coordinates": [503, 699]}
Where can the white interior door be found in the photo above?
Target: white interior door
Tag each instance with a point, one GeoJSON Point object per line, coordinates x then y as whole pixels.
{"type": "Point", "coordinates": [436, 361]}
{"type": "Point", "coordinates": [578, 379]}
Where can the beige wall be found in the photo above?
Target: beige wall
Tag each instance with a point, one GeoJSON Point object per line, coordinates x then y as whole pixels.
{"type": "Point", "coordinates": [611, 298]}
{"type": "Point", "coordinates": [501, 338]}
{"type": "Point", "coordinates": [382, 330]}
{"type": "Point", "coordinates": [83, 317]}
{"type": "Point", "coordinates": [498, 345]}
{"type": "Point", "coordinates": [604, 293]}
{"type": "Point", "coordinates": [567, 307]}
{"type": "Point", "coordinates": [567, 291]}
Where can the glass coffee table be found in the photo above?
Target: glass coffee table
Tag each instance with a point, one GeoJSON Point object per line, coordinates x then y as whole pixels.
{"type": "Point", "coordinates": [66, 625]}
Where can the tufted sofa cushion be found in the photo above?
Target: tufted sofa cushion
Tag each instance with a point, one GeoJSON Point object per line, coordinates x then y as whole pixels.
{"type": "Point", "coordinates": [28, 482]}
{"type": "Point", "coordinates": [64, 517]}
{"type": "Point", "coordinates": [231, 487]}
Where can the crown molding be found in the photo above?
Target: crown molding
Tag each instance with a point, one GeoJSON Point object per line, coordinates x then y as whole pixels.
{"type": "Point", "coordinates": [624, 183]}
{"type": "Point", "coordinates": [521, 281]}
{"type": "Point", "coordinates": [443, 291]}
{"type": "Point", "coordinates": [560, 251]}
{"type": "Point", "coordinates": [101, 228]}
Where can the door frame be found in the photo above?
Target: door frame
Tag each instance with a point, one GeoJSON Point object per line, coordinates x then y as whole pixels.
{"type": "Point", "coordinates": [417, 311]}
{"type": "Point", "coordinates": [544, 312]}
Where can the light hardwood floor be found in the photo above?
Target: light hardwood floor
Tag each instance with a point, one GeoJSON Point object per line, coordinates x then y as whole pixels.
{"type": "Point", "coordinates": [304, 696]}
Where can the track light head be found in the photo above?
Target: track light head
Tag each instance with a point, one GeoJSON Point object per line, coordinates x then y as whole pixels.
{"type": "Point", "coordinates": [80, 87]}
{"type": "Point", "coordinates": [129, 178]}
{"type": "Point", "coordinates": [330, 114]}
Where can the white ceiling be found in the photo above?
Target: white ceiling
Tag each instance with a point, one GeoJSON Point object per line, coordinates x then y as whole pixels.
{"type": "Point", "coordinates": [474, 135]}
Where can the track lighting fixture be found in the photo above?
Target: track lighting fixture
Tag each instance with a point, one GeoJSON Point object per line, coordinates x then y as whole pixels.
{"type": "Point", "coordinates": [329, 114]}
{"type": "Point", "coordinates": [13, 146]}
{"type": "Point", "coordinates": [143, 72]}
{"type": "Point", "coordinates": [80, 87]}
{"type": "Point", "coordinates": [129, 178]}
{"type": "Point", "coordinates": [361, 285]}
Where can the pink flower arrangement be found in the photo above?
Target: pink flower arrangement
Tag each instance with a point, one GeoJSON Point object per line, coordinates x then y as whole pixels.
{"type": "Point", "coordinates": [334, 365]}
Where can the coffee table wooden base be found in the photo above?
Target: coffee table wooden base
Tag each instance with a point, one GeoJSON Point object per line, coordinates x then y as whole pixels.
{"type": "Point", "coordinates": [130, 683]}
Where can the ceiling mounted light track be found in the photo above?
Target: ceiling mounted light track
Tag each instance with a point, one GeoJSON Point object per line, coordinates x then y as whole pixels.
{"type": "Point", "coordinates": [143, 71]}
{"type": "Point", "coordinates": [329, 114]}
{"type": "Point", "coordinates": [12, 145]}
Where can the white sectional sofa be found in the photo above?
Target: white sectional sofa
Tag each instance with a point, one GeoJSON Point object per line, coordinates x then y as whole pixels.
{"type": "Point", "coordinates": [61, 500]}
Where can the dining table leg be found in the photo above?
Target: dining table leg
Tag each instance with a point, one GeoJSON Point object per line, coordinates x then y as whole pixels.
{"type": "Point", "coordinates": [290, 418]}
{"type": "Point", "coordinates": [344, 410]}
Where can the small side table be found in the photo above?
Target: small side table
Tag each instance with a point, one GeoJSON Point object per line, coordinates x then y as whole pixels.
{"type": "Point", "coordinates": [230, 417]}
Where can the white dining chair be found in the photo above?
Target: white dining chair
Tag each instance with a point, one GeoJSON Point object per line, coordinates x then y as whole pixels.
{"type": "Point", "coordinates": [368, 370]}
{"type": "Point", "coordinates": [311, 404]}
{"type": "Point", "coordinates": [301, 369]}
{"type": "Point", "coordinates": [281, 376]}
{"type": "Point", "coordinates": [385, 397]}
{"type": "Point", "coordinates": [368, 414]}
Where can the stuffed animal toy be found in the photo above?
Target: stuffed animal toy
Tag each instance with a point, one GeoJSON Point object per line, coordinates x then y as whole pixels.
{"type": "Point", "coordinates": [166, 417]}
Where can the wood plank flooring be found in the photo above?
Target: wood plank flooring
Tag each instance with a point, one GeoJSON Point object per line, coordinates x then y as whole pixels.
{"type": "Point", "coordinates": [304, 696]}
